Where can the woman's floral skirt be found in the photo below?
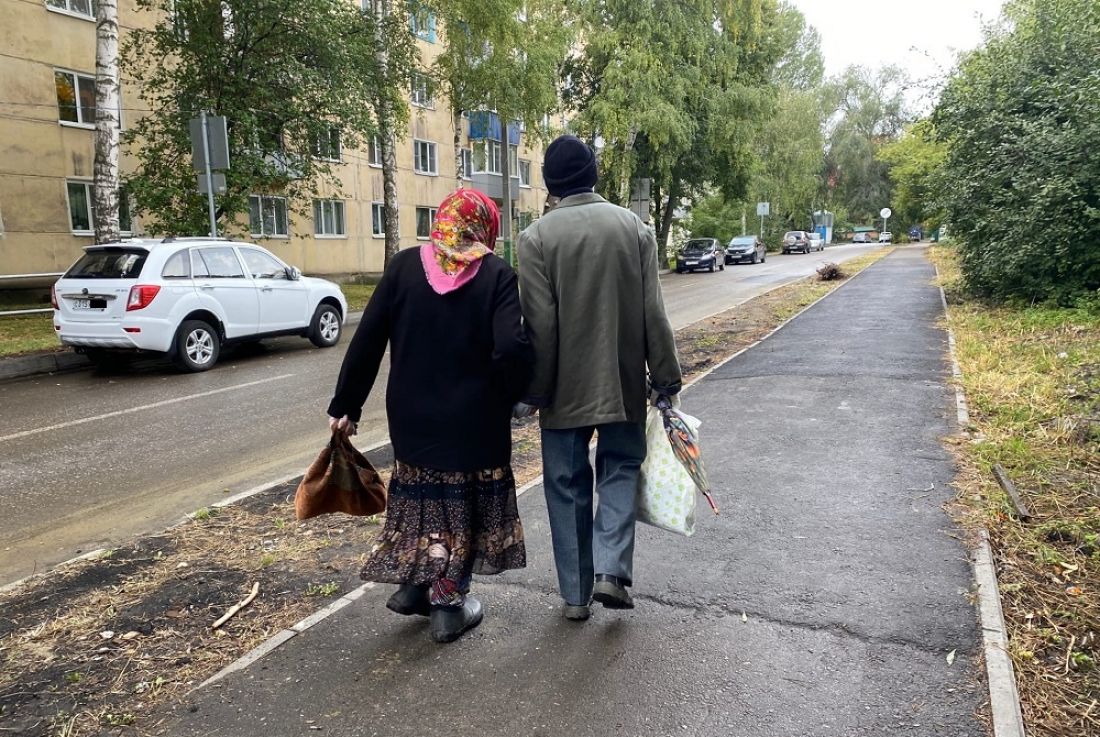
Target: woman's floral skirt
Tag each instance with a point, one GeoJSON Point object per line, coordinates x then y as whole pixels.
{"type": "Point", "coordinates": [447, 525]}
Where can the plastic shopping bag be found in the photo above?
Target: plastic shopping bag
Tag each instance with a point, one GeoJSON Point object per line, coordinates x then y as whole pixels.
{"type": "Point", "coordinates": [666, 491]}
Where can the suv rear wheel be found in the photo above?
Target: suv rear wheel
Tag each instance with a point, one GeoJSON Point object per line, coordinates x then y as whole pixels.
{"type": "Point", "coordinates": [325, 327]}
{"type": "Point", "coordinates": [197, 346]}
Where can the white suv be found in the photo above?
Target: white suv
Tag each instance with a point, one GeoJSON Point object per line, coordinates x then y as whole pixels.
{"type": "Point", "coordinates": [187, 297]}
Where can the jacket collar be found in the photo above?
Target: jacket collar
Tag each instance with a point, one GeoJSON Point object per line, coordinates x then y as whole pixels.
{"type": "Point", "coordinates": [584, 198]}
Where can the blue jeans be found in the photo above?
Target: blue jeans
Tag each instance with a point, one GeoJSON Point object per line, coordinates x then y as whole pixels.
{"type": "Point", "coordinates": [583, 547]}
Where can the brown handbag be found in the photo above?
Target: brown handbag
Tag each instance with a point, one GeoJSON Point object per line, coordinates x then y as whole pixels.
{"type": "Point", "coordinates": [340, 480]}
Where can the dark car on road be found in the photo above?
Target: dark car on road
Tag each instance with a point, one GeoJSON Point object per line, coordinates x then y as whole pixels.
{"type": "Point", "coordinates": [797, 240]}
{"type": "Point", "coordinates": [699, 253]}
{"type": "Point", "coordinates": [746, 249]}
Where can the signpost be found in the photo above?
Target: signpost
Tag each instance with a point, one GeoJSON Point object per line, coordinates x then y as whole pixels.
{"type": "Point", "coordinates": [763, 209]}
{"type": "Point", "coordinates": [639, 198]}
{"type": "Point", "coordinates": [210, 151]}
{"type": "Point", "coordinates": [885, 212]}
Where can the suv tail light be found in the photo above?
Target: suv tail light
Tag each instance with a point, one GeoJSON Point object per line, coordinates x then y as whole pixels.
{"type": "Point", "coordinates": [140, 296]}
{"type": "Point", "coordinates": [53, 297]}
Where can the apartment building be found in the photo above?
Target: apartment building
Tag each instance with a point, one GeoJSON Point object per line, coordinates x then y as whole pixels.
{"type": "Point", "coordinates": [47, 113]}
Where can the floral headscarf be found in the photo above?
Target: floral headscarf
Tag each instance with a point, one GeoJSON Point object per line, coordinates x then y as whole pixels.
{"type": "Point", "coordinates": [465, 231]}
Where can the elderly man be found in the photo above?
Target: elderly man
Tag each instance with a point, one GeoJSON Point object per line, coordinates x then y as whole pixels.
{"type": "Point", "coordinates": [596, 319]}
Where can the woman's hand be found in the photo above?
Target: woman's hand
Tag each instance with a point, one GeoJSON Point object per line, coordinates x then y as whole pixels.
{"type": "Point", "coordinates": [342, 425]}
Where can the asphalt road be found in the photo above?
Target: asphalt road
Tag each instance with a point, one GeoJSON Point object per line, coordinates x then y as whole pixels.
{"type": "Point", "coordinates": [829, 599]}
{"type": "Point", "coordinates": [88, 460]}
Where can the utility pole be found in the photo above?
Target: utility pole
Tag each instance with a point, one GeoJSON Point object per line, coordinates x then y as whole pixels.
{"type": "Point", "coordinates": [209, 176]}
{"type": "Point", "coordinates": [506, 191]}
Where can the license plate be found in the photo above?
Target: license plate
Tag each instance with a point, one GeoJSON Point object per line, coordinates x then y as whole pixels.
{"type": "Point", "coordinates": [89, 303]}
{"type": "Point", "coordinates": [692, 263]}
{"type": "Point", "coordinates": [82, 304]}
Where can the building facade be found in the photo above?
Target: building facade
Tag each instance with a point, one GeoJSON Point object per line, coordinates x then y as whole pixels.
{"type": "Point", "coordinates": [47, 113]}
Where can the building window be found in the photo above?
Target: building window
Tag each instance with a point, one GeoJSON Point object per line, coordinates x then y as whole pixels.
{"type": "Point", "coordinates": [424, 157]}
{"type": "Point", "coordinates": [327, 145]}
{"type": "Point", "coordinates": [421, 21]}
{"type": "Point", "coordinates": [374, 152]}
{"type": "Point", "coordinates": [82, 8]}
{"type": "Point", "coordinates": [467, 163]}
{"type": "Point", "coordinates": [267, 216]}
{"type": "Point", "coordinates": [421, 92]}
{"type": "Point", "coordinates": [81, 209]}
{"type": "Point", "coordinates": [328, 217]}
{"type": "Point", "coordinates": [378, 219]}
{"type": "Point", "coordinates": [75, 98]}
{"type": "Point", "coordinates": [425, 216]}
{"type": "Point", "coordinates": [486, 157]}
{"type": "Point", "coordinates": [524, 173]}
{"type": "Point", "coordinates": [513, 161]}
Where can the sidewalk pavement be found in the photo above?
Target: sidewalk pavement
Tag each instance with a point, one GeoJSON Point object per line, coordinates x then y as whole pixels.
{"type": "Point", "coordinates": [824, 601]}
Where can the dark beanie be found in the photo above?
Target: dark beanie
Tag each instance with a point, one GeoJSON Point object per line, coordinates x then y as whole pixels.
{"type": "Point", "coordinates": [569, 167]}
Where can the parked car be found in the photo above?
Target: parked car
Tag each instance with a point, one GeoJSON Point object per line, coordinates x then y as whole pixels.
{"type": "Point", "coordinates": [699, 253]}
{"type": "Point", "coordinates": [188, 297]}
{"type": "Point", "coordinates": [886, 237]}
{"type": "Point", "coordinates": [796, 240]}
{"type": "Point", "coordinates": [817, 243]}
{"type": "Point", "coordinates": [916, 234]}
{"type": "Point", "coordinates": [746, 249]}
{"type": "Point", "coordinates": [862, 238]}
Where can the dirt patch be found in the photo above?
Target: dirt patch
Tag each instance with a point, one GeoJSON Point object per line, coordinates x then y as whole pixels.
{"type": "Point", "coordinates": [102, 645]}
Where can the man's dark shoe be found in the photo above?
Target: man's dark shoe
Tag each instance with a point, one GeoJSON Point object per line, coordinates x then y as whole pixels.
{"type": "Point", "coordinates": [610, 591]}
{"type": "Point", "coordinates": [451, 622]}
{"type": "Point", "coordinates": [576, 612]}
{"type": "Point", "coordinates": [410, 600]}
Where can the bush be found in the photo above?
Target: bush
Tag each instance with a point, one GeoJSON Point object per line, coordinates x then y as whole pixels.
{"type": "Point", "coordinates": [830, 272]}
{"type": "Point", "coordinates": [1021, 182]}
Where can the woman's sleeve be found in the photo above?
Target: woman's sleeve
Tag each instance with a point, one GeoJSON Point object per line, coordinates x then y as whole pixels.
{"type": "Point", "coordinates": [513, 357]}
{"type": "Point", "coordinates": [364, 356]}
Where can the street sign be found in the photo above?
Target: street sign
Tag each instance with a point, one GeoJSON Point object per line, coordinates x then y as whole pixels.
{"type": "Point", "coordinates": [763, 209]}
{"type": "Point", "coordinates": [885, 212]}
{"type": "Point", "coordinates": [640, 198]}
{"type": "Point", "coordinates": [217, 140]}
{"type": "Point", "coordinates": [219, 182]}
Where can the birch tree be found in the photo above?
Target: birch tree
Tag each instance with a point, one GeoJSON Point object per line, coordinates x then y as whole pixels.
{"type": "Point", "coordinates": [394, 76]}
{"type": "Point", "coordinates": [105, 195]}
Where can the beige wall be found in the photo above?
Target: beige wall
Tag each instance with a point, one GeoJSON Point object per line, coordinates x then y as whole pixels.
{"type": "Point", "coordinates": [38, 155]}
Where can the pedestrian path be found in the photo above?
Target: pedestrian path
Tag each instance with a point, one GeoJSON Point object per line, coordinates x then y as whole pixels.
{"type": "Point", "coordinates": [823, 602]}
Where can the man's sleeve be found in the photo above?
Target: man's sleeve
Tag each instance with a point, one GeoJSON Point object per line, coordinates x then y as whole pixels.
{"type": "Point", "coordinates": [540, 314]}
{"type": "Point", "coordinates": [664, 366]}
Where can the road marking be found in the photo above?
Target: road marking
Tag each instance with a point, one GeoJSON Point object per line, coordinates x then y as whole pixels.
{"type": "Point", "coordinates": [131, 410]}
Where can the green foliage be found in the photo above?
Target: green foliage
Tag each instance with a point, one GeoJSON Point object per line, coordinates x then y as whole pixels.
{"type": "Point", "coordinates": [714, 216]}
{"type": "Point", "coordinates": [283, 73]}
{"type": "Point", "coordinates": [915, 164]}
{"type": "Point", "coordinates": [1022, 179]}
{"type": "Point", "coordinates": [872, 112]}
{"type": "Point", "coordinates": [673, 89]}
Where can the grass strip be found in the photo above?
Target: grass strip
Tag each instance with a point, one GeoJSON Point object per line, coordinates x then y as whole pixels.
{"type": "Point", "coordinates": [1032, 379]}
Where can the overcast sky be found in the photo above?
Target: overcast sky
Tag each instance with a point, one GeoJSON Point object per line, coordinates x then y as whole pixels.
{"type": "Point", "coordinates": [922, 37]}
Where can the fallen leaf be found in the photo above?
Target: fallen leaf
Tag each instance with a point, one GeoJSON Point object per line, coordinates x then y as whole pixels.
{"type": "Point", "coordinates": [1074, 590]}
{"type": "Point", "coordinates": [1070, 567]}
{"type": "Point", "coordinates": [951, 658]}
{"type": "Point", "coordinates": [130, 635]}
{"type": "Point", "coordinates": [107, 634]}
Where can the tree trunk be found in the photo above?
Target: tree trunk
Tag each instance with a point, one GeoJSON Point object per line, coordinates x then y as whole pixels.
{"type": "Point", "coordinates": [666, 223]}
{"type": "Point", "coordinates": [387, 139]}
{"type": "Point", "coordinates": [624, 174]}
{"type": "Point", "coordinates": [105, 188]}
{"type": "Point", "coordinates": [456, 121]}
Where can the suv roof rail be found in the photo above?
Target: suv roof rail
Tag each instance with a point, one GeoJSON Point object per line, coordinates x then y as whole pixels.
{"type": "Point", "coordinates": [174, 238]}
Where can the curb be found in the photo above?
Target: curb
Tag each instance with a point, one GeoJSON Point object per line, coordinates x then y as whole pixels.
{"type": "Point", "coordinates": [18, 367]}
{"type": "Point", "coordinates": [283, 636]}
{"type": "Point", "coordinates": [1004, 698]}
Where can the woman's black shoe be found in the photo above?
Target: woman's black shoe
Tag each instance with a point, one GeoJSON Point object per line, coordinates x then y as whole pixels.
{"type": "Point", "coordinates": [451, 622]}
{"type": "Point", "coordinates": [410, 600]}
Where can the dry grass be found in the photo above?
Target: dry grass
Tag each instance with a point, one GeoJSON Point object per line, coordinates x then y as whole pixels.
{"type": "Point", "coordinates": [62, 675]}
{"type": "Point", "coordinates": [1032, 380]}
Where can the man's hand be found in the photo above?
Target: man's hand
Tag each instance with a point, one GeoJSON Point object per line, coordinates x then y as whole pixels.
{"type": "Point", "coordinates": [522, 411]}
{"type": "Point", "coordinates": [342, 425]}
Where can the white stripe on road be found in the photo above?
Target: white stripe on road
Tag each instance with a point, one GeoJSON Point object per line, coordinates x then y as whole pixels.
{"type": "Point", "coordinates": [131, 410]}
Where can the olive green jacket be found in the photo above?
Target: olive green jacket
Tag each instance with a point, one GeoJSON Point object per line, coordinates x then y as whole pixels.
{"type": "Point", "coordinates": [594, 313]}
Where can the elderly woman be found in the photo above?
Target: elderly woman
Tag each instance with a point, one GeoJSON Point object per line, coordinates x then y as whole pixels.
{"type": "Point", "coordinates": [460, 359]}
